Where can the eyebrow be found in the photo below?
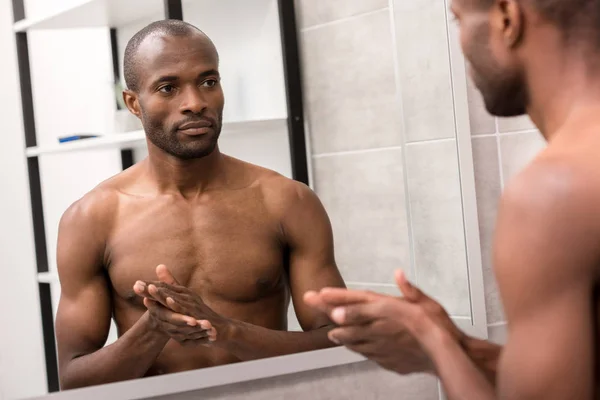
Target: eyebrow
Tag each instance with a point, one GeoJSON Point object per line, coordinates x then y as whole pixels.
{"type": "Point", "coordinates": [173, 78]}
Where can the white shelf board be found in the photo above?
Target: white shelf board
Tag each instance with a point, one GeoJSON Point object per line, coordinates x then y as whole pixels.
{"type": "Point", "coordinates": [138, 138]}
{"type": "Point", "coordinates": [47, 277]}
{"type": "Point", "coordinates": [95, 13]}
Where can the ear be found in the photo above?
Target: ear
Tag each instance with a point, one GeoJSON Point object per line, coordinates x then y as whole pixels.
{"type": "Point", "coordinates": [510, 21]}
{"type": "Point", "coordinates": [131, 101]}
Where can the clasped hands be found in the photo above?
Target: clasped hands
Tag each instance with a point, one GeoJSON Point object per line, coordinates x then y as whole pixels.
{"type": "Point", "coordinates": [178, 312]}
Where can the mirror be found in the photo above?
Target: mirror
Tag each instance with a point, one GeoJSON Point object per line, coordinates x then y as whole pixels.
{"type": "Point", "coordinates": [394, 173]}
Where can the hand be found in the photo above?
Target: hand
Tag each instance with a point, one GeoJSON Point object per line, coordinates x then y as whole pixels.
{"type": "Point", "coordinates": [397, 333]}
{"type": "Point", "coordinates": [183, 329]}
{"type": "Point", "coordinates": [168, 293]}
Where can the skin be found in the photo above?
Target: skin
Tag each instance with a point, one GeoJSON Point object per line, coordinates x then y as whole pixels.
{"type": "Point", "coordinates": [229, 243]}
{"type": "Point", "coordinates": [547, 240]}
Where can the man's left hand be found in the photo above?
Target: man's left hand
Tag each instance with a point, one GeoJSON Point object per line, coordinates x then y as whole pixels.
{"type": "Point", "coordinates": [176, 297]}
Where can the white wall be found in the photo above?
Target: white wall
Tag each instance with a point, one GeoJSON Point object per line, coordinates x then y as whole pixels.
{"type": "Point", "coordinates": [22, 368]}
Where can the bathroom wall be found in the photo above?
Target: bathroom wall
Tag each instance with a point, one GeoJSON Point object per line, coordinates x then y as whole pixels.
{"type": "Point", "coordinates": [385, 162]}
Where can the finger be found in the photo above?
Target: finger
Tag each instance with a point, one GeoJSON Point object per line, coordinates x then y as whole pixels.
{"type": "Point", "coordinates": [357, 314]}
{"type": "Point", "coordinates": [174, 288]}
{"type": "Point", "coordinates": [173, 305]}
{"type": "Point", "coordinates": [410, 292]}
{"type": "Point", "coordinates": [212, 331]}
{"type": "Point", "coordinates": [164, 275]}
{"type": "Point", "coordinates": [165, 315]}
{"type": "Point", "coordinates": [349, 335]}
{"type": "Point", "coordinates": [157, 295]}
{"type": "Point", "coordinates": [314, 300]}
{"type": "Point", "coordinates": [337, 296]}
{"type": "Point", "coordinates": [141, 289]}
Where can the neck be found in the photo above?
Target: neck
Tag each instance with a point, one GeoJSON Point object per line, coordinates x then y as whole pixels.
{"type": "Point", "coordinates": [563, 86]}
{"type": "Point", "coordinates": [186, 177]}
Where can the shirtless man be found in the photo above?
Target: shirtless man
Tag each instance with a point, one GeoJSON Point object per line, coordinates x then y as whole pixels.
{"type": "Point", "coordinates": [226, 240]}
{"type": "Point", "coordinates": [541, 57]}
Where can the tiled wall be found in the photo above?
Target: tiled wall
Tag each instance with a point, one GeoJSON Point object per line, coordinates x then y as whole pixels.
{"type": "Point", "coordinates": [360, 133]}
{"type": "Point", "coordinates": [383, 142]}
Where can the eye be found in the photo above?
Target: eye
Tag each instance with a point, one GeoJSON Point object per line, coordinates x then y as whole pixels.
{"type": "Point", "coordinates": [210, 83]}
{"type": "Point", "coordinates": [167, 89]}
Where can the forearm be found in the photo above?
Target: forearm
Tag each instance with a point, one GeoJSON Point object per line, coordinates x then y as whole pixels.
{"type": "Point", "coordinates": [485, 355]}
{"type": "Point", "coordinates": [461, 378]}
{"type": "Point", "coordinates": [129, 357]}
{"type": "Point", "coordinates": [249, 342]}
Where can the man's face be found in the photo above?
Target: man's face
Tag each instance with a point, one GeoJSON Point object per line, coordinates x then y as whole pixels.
{"type": "Point", "coordinates": [180, 100]}
{"type": "Point", "coordinates": [493, 66]}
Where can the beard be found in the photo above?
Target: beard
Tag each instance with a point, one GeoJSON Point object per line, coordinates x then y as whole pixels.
{"type": "Point", "coordinates": [178, 145]}
{"type": "Point", "coordinates": [504, 90]}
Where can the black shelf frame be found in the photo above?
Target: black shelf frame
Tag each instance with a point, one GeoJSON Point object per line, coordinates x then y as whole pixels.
{"type": "Point", "coordinates": [173, 9]}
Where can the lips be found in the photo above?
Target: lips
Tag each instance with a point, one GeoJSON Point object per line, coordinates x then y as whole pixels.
{"type": "Point", "coordinates": [195, 128]}
{"type": "Point", "coordinates": [196, 125]}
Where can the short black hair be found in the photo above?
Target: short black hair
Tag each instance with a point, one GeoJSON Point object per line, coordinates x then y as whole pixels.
{"type": "Point", "coordinates": [576, 19]}
{"type": "Point", "coordinates": [171, 27]}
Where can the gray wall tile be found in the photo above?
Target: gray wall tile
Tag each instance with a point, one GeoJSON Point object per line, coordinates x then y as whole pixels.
{"type": "Point", "coordinates": [363, 380]}
{"type": "Point", "coordinates": [424, 67]}
{"type": "Point", "coordinates": [364, 196]}
{"type": "Point", "coordinates": [497, 334]}
{"type": "Point", "coordinates": [515, 124]}
{"type": "Point", "coordinates": [437, 222]}
{"type": "Point", "coordinates": [481, 121]}
{"type": "Point", "coordinates": [315, 12]}
{"type": "Point", "coordinates": [488, 189]}
{"type": "Point", "coordinates": [518, 150]}
{"type": "Point", "coordinates": [349, 85]}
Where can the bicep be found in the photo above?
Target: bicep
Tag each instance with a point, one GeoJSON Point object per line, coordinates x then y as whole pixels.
{"type": "Point", "coordinates": [312, 263]}
{"type": "Point", "coordinates": [84, 310]}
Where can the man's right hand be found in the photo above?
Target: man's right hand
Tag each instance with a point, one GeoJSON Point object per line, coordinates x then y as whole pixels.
{"type": "Point", "coordinates": [377, 326]}
{"type": "Point", "coordinates": [184, 329]}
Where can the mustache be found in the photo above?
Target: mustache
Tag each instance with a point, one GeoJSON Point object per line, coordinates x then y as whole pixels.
{"type": "Point", "coordinates": [207, 119]}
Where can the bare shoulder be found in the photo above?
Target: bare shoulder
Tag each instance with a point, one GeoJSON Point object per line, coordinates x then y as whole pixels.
{"type": "Point", "coordinates": [552, 206]}
{"type": "Point", "coordinates": [96, 209]}
{"type": "Point", "coordinates": [556, 182]}
{"type": "Point", "coordinates": [281, 195]}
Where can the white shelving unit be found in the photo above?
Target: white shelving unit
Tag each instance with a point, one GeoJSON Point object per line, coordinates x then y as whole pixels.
{"type": "Point", "coordinates": [47, 277]}
{"type": "Point", "coordinates": [93, 13]}
{"type": "Point", "coordinates": [138, 138]}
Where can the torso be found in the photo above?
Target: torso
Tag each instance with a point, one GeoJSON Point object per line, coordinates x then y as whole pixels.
{"type": "Point", "coordinates": [225, 245]}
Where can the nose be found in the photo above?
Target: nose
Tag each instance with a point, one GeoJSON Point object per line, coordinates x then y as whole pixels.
{"type": "Point", "coordinates": [193, 101]}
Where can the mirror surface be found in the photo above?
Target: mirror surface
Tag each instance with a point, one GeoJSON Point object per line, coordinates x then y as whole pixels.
{"type": "Point", "coordinates": [388, 152]}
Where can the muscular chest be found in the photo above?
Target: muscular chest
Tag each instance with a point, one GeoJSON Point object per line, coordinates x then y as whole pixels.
{"type": "Point", "coordinates": [224, 252]}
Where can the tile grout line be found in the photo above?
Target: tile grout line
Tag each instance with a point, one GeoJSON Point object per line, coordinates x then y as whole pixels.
{"type": "Point", "coordinates": [354, 152]}
{"type": "Point", "coordinates": [427, 141]}
{"type": "Point", "coordinates": [524, 131]}
{"type": "Point", "coordinates": [405, 176]}
{"type": "Point", "coordinates": [342, 20]}
{"type": "Point", "coordinates": [499, 152]}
